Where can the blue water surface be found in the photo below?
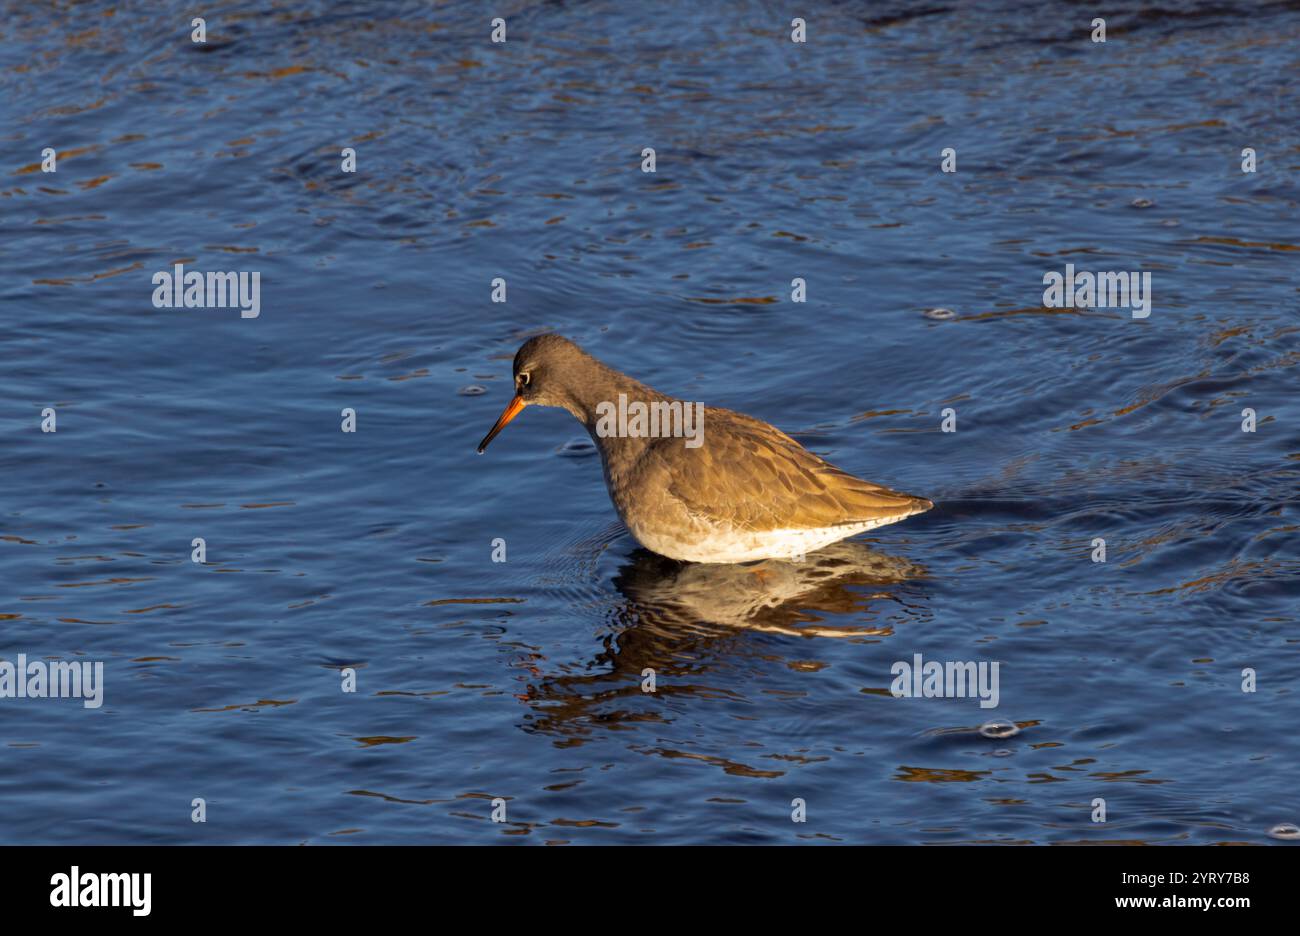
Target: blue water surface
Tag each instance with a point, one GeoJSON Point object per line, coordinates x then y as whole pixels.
{"type": "Point", "coordinates": [522, 680]}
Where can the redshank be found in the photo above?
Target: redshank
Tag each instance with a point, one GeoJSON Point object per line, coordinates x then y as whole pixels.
{"type": "Point", "coordinates": [744, 491]}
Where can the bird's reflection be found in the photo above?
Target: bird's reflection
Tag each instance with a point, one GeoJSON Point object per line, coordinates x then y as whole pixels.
{"type": "Point", "coordinates": [777, 596]}
{"type": "Point", "coordinates": [683, 620]}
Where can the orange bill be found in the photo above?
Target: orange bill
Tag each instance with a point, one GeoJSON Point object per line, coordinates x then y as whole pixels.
{"type": "Point", "coordinates": [510, 412]}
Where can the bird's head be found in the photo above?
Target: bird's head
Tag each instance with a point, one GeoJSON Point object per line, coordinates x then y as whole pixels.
{"type": "Point", "coordinates": [549, 370]}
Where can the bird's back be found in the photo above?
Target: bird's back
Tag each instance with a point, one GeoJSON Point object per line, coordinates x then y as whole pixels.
{"type": "Point", "coordinates": [750, 475]}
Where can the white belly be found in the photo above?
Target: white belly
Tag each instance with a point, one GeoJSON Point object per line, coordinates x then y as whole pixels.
{"type": "Point", "coordinates": [731, 545]}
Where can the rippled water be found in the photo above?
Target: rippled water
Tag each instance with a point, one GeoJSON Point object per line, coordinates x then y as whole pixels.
{"type": "Point", "coordinates": [522, 680]}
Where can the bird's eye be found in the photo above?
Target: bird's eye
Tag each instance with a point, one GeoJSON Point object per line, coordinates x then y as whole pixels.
{"type": "Point", "coordinates": [524, 378]}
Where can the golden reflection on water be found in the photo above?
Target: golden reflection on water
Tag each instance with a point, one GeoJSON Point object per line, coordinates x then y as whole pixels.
{"type": "Point", "coordinates": [774, 596]}
{"type": "Point", "coordinates": [682, 619]}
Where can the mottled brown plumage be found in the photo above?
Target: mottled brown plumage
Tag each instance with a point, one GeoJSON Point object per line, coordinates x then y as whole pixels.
{"type": "Point", "coordinates": [748, 492]}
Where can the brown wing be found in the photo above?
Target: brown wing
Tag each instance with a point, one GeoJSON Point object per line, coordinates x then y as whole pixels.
{"type": "Point", "coordinates": [754, 476]}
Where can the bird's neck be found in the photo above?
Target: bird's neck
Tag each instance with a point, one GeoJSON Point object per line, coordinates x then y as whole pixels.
{"type": "Point", "coordinates": [606, 392]}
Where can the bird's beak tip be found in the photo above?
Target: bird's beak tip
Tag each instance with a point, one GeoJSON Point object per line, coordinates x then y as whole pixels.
{"type": "Point", "coordinates": [512, 410]}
